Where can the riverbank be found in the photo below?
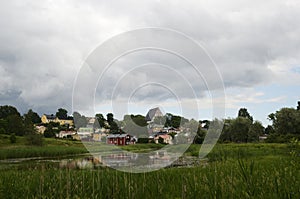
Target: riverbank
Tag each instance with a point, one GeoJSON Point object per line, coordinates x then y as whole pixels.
{"type": "Point", "coordinates": [231, 171]}
{"type": "Point", "coordinates": [60, 147]}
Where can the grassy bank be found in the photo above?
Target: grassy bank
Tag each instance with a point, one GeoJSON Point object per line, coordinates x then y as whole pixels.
{"type": "Point", "coordinates": [242, 178]}
{"type": "Point", "coordinates": [233, 171]}
{"type": "Point", "coordinates": [51, 148]}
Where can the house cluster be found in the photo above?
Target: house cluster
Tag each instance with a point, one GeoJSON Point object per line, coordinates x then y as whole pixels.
{"type": "Point", "coordinates": [87, 133]}
{"type": "Point", "coordinates": [157, 133]}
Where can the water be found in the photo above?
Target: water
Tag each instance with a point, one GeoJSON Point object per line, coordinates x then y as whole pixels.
{"type": "Point", "coordinates": [118, 160]}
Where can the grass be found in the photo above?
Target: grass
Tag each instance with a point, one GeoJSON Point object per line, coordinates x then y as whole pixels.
{"type": "Point", "coordinates": [234, 171]}
{"type": "Point", "coordinates": [51, 148]}
{"type": "Point", "coordinates": [237, 179]}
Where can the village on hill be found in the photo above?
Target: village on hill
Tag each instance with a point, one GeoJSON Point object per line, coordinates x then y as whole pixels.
{"type": "Point", "coordinates": [152, 128]}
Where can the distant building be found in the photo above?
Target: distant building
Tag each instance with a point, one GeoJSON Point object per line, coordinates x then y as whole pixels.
{"type": "Point", "coordinates": [66, 134]}
{"type": "Point", "coordinates": [98, 136]}
{"type": "Point", "coordinates": [85, 133]}
{"type": "Point", "coordinates": [167, 139]}
{"type": "Point", "coordinates": [120, 139]}
{"type": "Point", "coordinates": [52, 118]}
{"type": "Point", "coordinates": [40, 129]}
{"type": "Point", "coordinates": [152, 113]}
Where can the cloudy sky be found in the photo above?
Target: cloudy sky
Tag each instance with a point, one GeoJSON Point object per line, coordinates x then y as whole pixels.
{"type": "Point", "coordinates": [254, 46]}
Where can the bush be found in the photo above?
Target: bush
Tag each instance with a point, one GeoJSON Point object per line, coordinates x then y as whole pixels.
{"type": "Point", "coordinates": [34, 139]}
{"type": "Point", "coordinates": [13, 138]}
{"type": "Point", "coordinates": [2, 131]}
{"type": "Point", "coordinates": [143, 140]}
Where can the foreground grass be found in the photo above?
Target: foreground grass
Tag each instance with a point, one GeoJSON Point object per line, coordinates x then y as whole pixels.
{"type": "Point", "coordinates": [230, 179]}
{"type": "Point", "coordinates": [233, 171]}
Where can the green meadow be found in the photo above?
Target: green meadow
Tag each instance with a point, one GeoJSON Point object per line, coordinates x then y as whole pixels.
{"type": "Point", "coordinates": [230, 171]}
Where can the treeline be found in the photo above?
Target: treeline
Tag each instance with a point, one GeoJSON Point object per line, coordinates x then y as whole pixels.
{"type": "Point", "coordinates": [285, 125]}
{"type": "Point", "coordinates": [13, 123]}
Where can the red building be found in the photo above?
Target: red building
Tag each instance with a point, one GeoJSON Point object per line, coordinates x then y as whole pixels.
{"type": "Point", "coordinates": [120, 139]}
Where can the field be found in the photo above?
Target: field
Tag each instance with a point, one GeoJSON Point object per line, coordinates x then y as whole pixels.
{"type": "Point", "coordinates": [51, 148]}
{"type": "Point", "coordinates": [231, 171]}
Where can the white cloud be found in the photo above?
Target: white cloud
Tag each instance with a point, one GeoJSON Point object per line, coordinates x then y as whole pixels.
{"type": "Point", "coordinates": [44, 43]}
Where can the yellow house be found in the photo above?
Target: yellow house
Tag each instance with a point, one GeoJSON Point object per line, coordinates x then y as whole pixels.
{"type": "Point", "coordinates": [52, 118]}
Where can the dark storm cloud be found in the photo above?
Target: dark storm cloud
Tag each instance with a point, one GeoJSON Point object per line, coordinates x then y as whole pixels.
{"type": "Point", "coordinates": [44, 43]}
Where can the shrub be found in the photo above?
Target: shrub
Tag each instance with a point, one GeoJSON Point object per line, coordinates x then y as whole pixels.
{"type": "Point", "coordinates": [13, 138]}
{"type": "Point", "coordinates": [34, 139]}
{"type": "Point", "coordinates": [143, 140]}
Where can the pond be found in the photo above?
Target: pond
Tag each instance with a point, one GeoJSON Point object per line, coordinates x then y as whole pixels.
{"type": "Point", "coordinates": [117, 160]}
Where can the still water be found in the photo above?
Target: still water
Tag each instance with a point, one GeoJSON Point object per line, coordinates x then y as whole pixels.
{"type": "Point", "coordinates": [115, 160]}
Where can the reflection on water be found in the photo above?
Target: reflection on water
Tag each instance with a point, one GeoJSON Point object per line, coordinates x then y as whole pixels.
{"type": "Point", "coordinates": [123, 159]}
{"type": "Point", "coordinates": [118, 160]}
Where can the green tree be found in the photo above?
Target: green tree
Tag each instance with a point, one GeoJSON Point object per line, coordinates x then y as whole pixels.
{"type": "Point", "coordinates": [239, 129]}
{"type": "Point", "coordinates": [79, 120]}
{"type": "Point", "coordinates": [4, 126]}
{"type": "Point", "coordinates": [15, 125]}
{"type": "Point", "coordinates": [139, 120]}
{"type": "Point", "coordinates": [135, 125]}
{"type": "Point", "coordinates": [113, 126]}
{"type": "Point", "coordinates": [226, 131]}
{"type": "Point", "coordinates": [34, 117]}
{"type": "Point", "coordinates": [243, 112]}
{"type": "Point", "coordinates": [28, 124]}
{"type": "Point", "coordinates": [101, 120]}
{"type": "Point", "coordinates": [49, 132]}
{"type": "Point", "coordinates": [286, 121]}
{"type": "Point", "coordinates": [174, 120]}
{"type": "Point", "coordinates": [6, 111]}
{"type": "Point", "coordinates": [269, 130]}
{"type": "Point", "coordinates": [256, 129]}
{"type": "Point", "coordinates": [160, 120]}
{"type": "Point", "coordinates": [62, 114]}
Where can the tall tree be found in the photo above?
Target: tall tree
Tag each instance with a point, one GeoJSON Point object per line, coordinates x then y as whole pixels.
{"type": "Point", "coordinates": [256, 129]}
{"type": "Point", "coordinates": [101, 120]}
{"type": "Point", "coordinates": [62, 114]}
{"type": "Point", "coordinates": [298, 107]}
{"type": "Point", "coordinates": [33, 116]}
{"type": "Point", "coordinates": [113, 126]}
{"type": "Point", "coordinates": [286, 121]}
{"type": "Point", "coordinates": [269, 130]}
{"type": "Point", "coordinates": [15, 125]}
{"type": "Point", "coordinates": [79, 120]}
{"type": "Point", "coordinates": [174, 120]}
{"type": "Point", "coordinates": [239, 129]}
{"type": "Point", "coordinates": [6, 111]}
{"type": "Point", "coordinates": [139, 120]}
{"type": "Point", "coordinates": [243, 112]}
{"type": "Point", "coordinates": [28, 124]}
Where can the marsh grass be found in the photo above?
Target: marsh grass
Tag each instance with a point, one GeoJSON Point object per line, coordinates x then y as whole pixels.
{"type": "Point", "coordinates": [238, 179]}
{"type": "Point", "coordinates": [234, 171]}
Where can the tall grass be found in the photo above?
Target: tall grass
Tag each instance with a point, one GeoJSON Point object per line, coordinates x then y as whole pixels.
{"type": "Point", "coordinates": [34, 151]}
{"type": "Point", "coordinates": [248, 171]}
{"type": "Point", "coordinates": [239, 179]}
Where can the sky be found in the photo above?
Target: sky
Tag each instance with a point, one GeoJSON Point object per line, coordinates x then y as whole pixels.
{"type": "Point", "coordinates": [248, 54]}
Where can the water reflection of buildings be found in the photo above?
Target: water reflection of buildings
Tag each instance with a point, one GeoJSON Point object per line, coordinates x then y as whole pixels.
{"type": "Point", "coordinates": [115, 160]}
